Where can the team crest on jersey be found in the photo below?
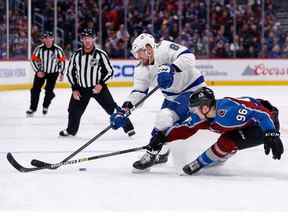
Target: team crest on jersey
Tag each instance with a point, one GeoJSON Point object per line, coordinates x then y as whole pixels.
{"type": "Point", "coordinates": [94, 61]}
{"type": "Point", "coordinates": [221, 112]}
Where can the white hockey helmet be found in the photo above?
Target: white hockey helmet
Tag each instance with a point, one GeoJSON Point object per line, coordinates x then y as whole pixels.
{"type": "Point", "coordinates": [141, 41]}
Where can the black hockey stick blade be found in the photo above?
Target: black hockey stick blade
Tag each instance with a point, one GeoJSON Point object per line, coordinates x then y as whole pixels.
{"type": "Point", "coordinates": [18, 166]}
{"type": "Point", "coordinates": [38, 163]}
{"type": "Point", "coordinates": [41, 164]}
{"type": "Point", "coordinates": [21, 168]}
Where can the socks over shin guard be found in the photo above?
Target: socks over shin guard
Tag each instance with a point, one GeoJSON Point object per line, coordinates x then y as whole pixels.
{"type": "Point", "coordinates": [217, 153]}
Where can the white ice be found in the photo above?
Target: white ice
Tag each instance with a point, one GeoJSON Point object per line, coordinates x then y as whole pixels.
{"type": "Point", "coordinates": [250, 180]}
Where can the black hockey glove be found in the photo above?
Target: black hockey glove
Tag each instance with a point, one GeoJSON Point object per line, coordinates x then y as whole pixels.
{"type": "Point", "coordinates": [157, 140]}
{"type": "Point", "coordinates": [127, 105]}
{"type": "Point", "coordinates": [272, 141]}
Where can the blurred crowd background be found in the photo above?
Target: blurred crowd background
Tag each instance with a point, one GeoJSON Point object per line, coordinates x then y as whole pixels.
{"type": "Point", "coordinates": [210, 28]}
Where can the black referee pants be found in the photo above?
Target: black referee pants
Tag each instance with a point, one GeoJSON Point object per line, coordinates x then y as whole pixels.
{"type": "Point", "coordinates": [77, 108]}
{"type": "Point", "coordinates": [49, 90]}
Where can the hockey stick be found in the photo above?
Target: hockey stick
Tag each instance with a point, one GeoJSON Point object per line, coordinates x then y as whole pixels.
{"type": "Point", "coordinates": [20, 168]}
{"type": "Point", "coordinates": [39, 163]}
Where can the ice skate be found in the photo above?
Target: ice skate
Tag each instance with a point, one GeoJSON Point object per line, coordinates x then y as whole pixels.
{"type": "Point", "coordinates": [147, 161]}
{"type": "Point", "coordinates": [64, 133]}
{"type": "Point", "coordinates": [192, 167]}
{"type": "Point", "coordinates": [162, 158]}
{"type": "Point", "coordinates": [30, 113]}
{"type": "Point", "coordinates": [45, 110]}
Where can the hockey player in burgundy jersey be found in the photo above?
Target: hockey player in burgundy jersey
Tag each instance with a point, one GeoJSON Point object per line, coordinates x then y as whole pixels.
{"type": "Point", "coordinates": [242, 123]}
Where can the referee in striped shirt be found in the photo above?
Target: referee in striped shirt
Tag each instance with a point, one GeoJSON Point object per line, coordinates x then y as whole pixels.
{"type": "Point", "coordinates": [88, 71]}
{"type": "Point", "coordinates": [48, 62]}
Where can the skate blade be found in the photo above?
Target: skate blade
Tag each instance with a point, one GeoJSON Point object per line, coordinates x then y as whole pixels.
{"type": "Point", "coordinates": [138, 171]}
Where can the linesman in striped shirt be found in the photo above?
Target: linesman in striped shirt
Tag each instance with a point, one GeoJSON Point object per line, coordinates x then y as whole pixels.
{"type": "Point", "coordinates": [48, 62]}
{"type": "Point", "coordinates": [88, 71]}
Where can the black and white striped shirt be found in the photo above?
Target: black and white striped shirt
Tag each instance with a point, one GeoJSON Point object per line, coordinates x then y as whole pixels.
{"type": "Point", "coordinates": [86, 70]}
{"type": "Point", "coordinates": [48, 60]}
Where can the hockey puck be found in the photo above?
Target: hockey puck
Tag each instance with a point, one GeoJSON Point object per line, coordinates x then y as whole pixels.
{"type": "Point", "coordinates": [82, 169]}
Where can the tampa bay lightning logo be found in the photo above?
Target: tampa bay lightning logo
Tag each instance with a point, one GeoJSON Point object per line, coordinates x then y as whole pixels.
{"type": "Point", "coordinates": [221, 112]}
{"type": "Point", "coordinates": [93, 62]}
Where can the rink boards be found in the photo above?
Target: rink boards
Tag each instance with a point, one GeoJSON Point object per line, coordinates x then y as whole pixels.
{"type": "Point", "coordinates": [19, 74]}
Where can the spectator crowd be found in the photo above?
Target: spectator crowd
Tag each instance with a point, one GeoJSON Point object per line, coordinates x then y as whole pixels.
{"type": "Point", "coordinates": [221, 29]}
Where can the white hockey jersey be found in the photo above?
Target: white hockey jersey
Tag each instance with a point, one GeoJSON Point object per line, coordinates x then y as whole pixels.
{"type": "Point", "coordinates": [166, 52]}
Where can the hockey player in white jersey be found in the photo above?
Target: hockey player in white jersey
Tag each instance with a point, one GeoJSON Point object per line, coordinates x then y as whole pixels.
{"type": "Point", "coordinates": [171, 67]}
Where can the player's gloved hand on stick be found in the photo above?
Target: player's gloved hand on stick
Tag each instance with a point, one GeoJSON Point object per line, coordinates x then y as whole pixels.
{"type": "Point", "coordinates": [118, 119]}
{"type": "Point", "coordinates": [165, 76]}
{"type": "Point", "coordinates": [273, 142]}
{"type": "Point", "coordinates": [157, 141]}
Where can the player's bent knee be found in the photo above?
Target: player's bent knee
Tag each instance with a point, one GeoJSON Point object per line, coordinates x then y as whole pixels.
{"type": "Point", "coordinates": [226, 145]}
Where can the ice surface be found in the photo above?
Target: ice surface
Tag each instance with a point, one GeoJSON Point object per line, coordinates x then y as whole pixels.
{"type": "Point", "coordinates": [248, 181]}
